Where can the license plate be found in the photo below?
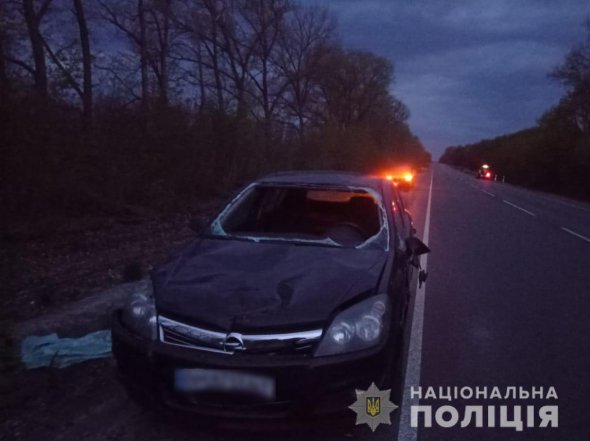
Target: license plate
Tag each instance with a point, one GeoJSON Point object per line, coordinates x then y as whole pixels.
{"type": "Point", "coordinates": [223, 381]}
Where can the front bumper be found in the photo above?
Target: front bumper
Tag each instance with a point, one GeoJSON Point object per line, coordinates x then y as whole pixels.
{"type": "Point", "coordinates": [304, 385]}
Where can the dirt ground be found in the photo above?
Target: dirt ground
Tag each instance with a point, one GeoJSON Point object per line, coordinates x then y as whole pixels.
{"type": "Point", "coordinates": [58, 263]}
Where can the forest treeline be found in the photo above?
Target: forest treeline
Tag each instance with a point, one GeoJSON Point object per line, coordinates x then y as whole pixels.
{"type": "Point", "coordinates": [555, 154]}
{"type": "Point", "coordinates": [110, 104]}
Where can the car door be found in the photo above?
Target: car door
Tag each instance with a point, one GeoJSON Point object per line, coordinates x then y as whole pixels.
{"type": "Point", "coordinates": [399, 274]}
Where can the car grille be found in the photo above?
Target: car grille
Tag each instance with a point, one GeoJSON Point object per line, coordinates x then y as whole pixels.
{"type": "Point", "coordinates": [180, 334]}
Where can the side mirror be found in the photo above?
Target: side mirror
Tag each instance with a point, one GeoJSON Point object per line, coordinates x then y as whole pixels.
{"type": "Point", "coordinates": [416, 247]}
{"type": "Point", "coordinates": [196, 224]}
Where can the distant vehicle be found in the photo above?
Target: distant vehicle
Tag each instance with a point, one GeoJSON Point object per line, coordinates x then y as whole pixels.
{"type": "Point", "coordinates": [403, 177]}
{"type": "Point", "coordinates": [290, 299]}
{"type": "Point", "coordinates": [484, 172]}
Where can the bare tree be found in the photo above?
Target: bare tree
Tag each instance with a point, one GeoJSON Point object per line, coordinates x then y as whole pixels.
{"type": "Point", "coordinates": [130, 20]}
{"type": "Point", "coordinates": [86, 63]}
{"type": "Point", "coordinates": [215, 47]}
{"type": "Point", "coordinates": [159, 43]}
{"type": "Point", "coordinates": [141, 43]}
{"type": "Point", "coordinates": [266, 18]}
{"type": "Point", "coordinates": [210, 37]}
{"type": "Point", "coordinates": [148, 26]}
{"type": "Point", "coordinates": [239, 44]}
{"type": "Point", "coordinates": [195, 50]}
{"type": "Point", "coordinates": [304, 40]}
{"type": "Point", "coordinates": [33, 18]}
{"type": "Point", "coordinates": [72, 58]}
{"type": "Point", "coordinates": [4, 82]}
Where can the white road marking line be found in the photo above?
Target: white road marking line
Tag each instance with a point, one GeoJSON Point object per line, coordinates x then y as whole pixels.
{"type": "Point", "coordinates": [488, 193]}
{"type": "Point", "coordinates": [567, 204]}
{"type": "Point", "coordinates": [518, 208]}
{"type": "Point", "coordinates": [548, 198]}
{"type": "Point", "coordinates": [412, 377]}
{"type": "Point", "coordinates": [573, 233]}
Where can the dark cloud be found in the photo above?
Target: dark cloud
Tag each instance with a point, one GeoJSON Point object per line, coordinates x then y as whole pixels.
{"type": "Point", "coordinates": [467, 69]}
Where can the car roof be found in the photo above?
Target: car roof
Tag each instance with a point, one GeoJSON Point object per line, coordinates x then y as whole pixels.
{"type": "Point", "coordinates": [324, 177]}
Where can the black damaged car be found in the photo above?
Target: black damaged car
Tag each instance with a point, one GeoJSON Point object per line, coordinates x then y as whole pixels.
{"type": "Point", "coordinates": [286, 302]}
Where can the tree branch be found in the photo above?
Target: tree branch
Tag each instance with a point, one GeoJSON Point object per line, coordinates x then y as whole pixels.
{"type": "Point", "coordinates": [73, 83]}
{"type": "Point", "coordinates": [20, 63]}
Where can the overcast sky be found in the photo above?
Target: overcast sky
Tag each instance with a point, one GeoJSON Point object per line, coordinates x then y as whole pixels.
{"type": "Point", "coordinates": [467, 69]}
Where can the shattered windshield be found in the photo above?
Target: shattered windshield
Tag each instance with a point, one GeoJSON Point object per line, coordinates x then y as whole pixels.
{"type": "Point", "coordinates": [347, 217]}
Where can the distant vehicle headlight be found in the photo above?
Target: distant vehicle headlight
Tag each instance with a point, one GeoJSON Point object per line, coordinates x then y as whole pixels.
{"type": "Point", "coordinates": [358, 327]}
{"type": "Point", "coordinates": [139, 314]}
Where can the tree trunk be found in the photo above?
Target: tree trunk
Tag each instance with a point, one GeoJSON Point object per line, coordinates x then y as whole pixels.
{"type": "Point", "coordinates": [86, 64]}
{"type": "Point", "coordinates": [203, 94]}
{"type": "Point", "coordinates": [143, 62]}
{"type": "Point", "coordinates": [164, 49]}
{"type": "Point", "coordinates": [216, 69]}
{"type": "Point", "coordinates": [4, 85]}
{"type": "Point", "coordinates": [32, 20]}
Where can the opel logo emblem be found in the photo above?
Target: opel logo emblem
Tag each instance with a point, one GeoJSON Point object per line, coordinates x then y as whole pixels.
{"type": "Point", "coordinates": [233, 342]}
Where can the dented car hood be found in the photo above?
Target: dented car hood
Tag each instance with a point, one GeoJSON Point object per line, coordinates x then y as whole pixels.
{"type": "Point", "coordinates": [236, 285]}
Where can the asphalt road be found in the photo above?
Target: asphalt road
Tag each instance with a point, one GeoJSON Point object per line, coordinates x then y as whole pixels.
{"type": "Point", "coordinates": [506, 302]}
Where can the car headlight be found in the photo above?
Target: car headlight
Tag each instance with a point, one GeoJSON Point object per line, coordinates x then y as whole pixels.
{"type": "Point", "coordinates": [358, 327]}
{"type": "Point", "coordinates": [139, 314]}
